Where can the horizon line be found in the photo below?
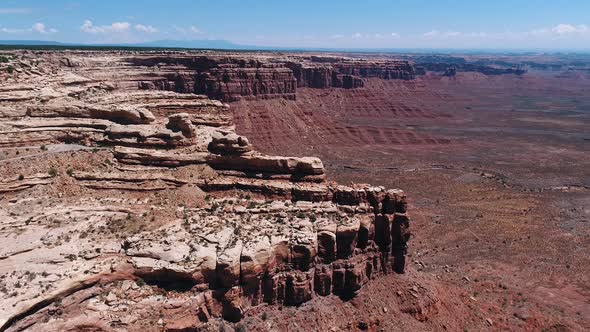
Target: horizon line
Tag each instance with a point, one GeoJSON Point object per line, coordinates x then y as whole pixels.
{"type": "Point", "coordinates": [251, 47]}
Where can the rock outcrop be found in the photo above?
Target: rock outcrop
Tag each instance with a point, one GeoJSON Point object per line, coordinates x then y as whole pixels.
{"type": "Point", "coordinates": [229, 143]}
{"type": "Point", "coordinates": [333, 248]}
{"type": "Point", "coordinates": [119, 197]}
{"type": "Point", "coordinates": [237, 76]}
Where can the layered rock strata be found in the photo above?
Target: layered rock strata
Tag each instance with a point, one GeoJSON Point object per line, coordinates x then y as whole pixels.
{"type": "Point", "coordinates": [140, 204]}
{"type": "Point", "coordinates": [234, 77]}
{"type": "Point", "coordinates": [287, 253]}
{"type": "Point", "coordinates": [348, 74]}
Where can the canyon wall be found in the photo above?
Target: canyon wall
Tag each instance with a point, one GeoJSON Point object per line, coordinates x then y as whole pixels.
{"type": "Point", "coordinates": [248, 76]}
{"type": "Point", "coordinates": [155, 206]}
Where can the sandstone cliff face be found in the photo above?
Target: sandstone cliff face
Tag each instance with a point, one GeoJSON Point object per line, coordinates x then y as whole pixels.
{"type": "Point", "coordinates": [331, 248]}
{"type": "Point", "coordinates": [223, 78]}
{"type": "Point", "coordinates": [231, 84]}
{"type": "Point", "coordinates": [248, 76]}
{"type": "Point", "coordinates": [152, 203]}
{"type": "Point", "coordinates": [387, 70]}
{"type": "Point", "coordinates": [322, 73]}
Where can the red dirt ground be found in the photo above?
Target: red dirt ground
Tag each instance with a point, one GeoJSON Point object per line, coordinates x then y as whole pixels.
{"type": "Point", "coordinates": [498, 173]}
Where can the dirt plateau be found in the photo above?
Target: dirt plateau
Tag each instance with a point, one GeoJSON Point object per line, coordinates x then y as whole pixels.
{"type": "Point", "coordinates": [148, 191]}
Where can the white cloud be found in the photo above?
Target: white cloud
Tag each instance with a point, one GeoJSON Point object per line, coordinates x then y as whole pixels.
{"type": "Point", "coordinates": [41, 28]}
{"type": "Point", "coordinates": [477, 34]}
{"type": "Point", "coordinates": [15, 10]}
{"type": "Point", "coordinates": [89, 27]}
{"type": "Point", "coordinates": [9, 30]}
{"type": "Point", "coordinates": [538, 32]}
{"type": "Point", "coordinates": [562, 29]}
{"type": "Point", "coordinates": [120, 26]}
{"type": "Point", "coordinates": [431, 33]}
{"type": "Point", "coordinates": [453, 34]}
{"type": "Point", "coordinates": [367, 36]}
{"type": "Point", "coordinates": [550, 36]}
{"type": "Point", "coordinates": [145, 28]}
{"type": "Point", "coordinates": [190, 30]}
{"type": "Point", "coordinates": [36, 28]}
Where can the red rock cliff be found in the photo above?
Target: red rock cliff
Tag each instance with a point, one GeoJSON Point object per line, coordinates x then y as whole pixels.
{"type": "Point", "coordinates": [231, 78]}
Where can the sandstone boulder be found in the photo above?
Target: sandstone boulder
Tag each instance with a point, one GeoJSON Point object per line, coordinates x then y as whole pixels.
{"type": "Point", "coordinates": [223, 142]}
{"type": "Point", "coordinates": [181, 122]}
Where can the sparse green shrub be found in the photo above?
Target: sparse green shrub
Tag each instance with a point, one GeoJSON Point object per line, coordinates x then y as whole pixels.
{"type": "Point", "coordinates": [70, 171]}
{"type": "Point", "coordinates": [10, 69]}
{"type": "Point", "coordinates": [52, 171]}
{"type": "Point", "coordinates": [21, 177]}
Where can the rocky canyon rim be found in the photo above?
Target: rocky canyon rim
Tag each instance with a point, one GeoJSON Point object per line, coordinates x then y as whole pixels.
{"type": "Point", "coordinates": [163, 214]}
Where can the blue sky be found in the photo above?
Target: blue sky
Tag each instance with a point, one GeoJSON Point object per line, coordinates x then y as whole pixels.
{"type": "Point", "coordinates": [304, 23]}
